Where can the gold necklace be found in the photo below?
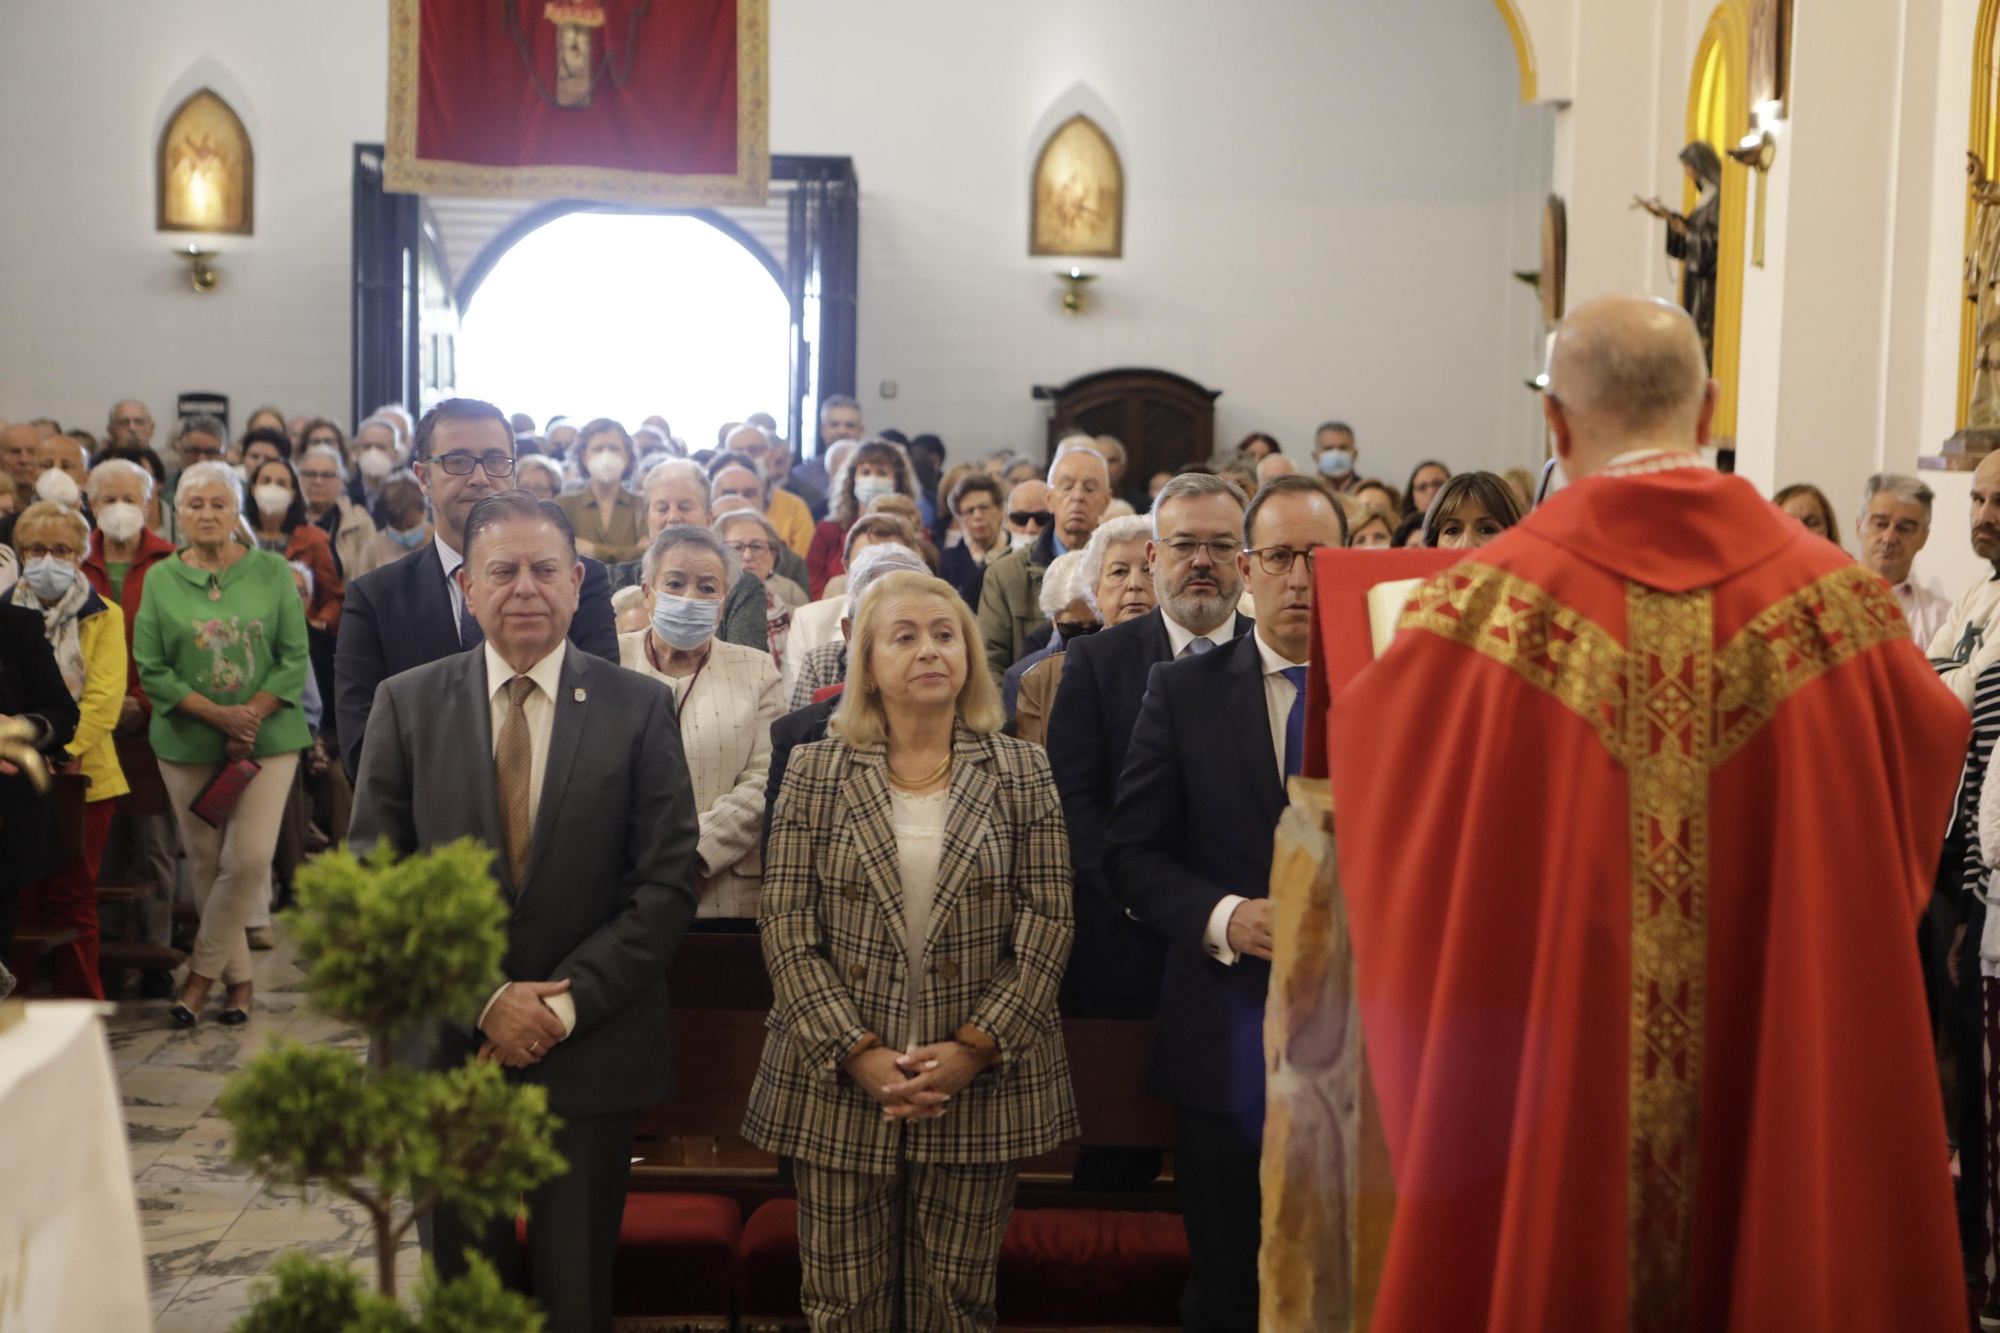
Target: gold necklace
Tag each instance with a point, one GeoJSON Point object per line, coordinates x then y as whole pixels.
{"type": "Point", "coordinates": [920, 784]}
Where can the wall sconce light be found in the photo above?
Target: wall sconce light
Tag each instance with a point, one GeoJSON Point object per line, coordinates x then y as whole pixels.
{"type": "Point", "coordinates": [1074, 299]}
{"type": "Point", "coordinates": [201, 274]}
{"type": "Point", "coordinates": [1758, 151]}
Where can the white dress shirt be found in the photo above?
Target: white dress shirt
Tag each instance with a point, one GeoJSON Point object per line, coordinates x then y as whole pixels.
{"type": "Point", "coordinates": [451, 560]}
{"type": "Point", "coordinates": [1278, 695]}
{"type": "Point", "coordinates": [540, 709]}
{"type": "Point", "coordinates": [1179, 636]}
{"type": "Point", "coordinates": [1924, 609]}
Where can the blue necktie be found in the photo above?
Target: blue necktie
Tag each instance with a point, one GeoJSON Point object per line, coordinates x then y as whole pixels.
{"type": "Point", "coordinates": [1196, 647]}
{"type": "Point", "coordinates": [1295, 722]}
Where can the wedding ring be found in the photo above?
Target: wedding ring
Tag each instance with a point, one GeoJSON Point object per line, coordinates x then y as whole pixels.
{"type": "Point", "coordinates": [534, 1045]}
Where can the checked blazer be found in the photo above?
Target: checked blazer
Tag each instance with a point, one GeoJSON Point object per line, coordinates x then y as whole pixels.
{"type": "Point", "coordinates": [834, 941]}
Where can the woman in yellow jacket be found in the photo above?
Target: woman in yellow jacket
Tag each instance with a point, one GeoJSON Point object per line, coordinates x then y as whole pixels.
{"type": "Point", "coordinates": [88, 635]}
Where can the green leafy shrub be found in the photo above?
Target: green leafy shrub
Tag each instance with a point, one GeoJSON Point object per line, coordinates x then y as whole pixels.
{"type": "Point", "coordinates": [393, 946]}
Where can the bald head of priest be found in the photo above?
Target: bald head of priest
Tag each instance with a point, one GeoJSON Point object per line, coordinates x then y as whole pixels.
{"type": "Point", "coordinates": [1626, 375]}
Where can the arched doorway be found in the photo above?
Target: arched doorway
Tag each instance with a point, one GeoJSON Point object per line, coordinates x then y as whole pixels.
{"type": "Point", "coordinates": [625, 315]}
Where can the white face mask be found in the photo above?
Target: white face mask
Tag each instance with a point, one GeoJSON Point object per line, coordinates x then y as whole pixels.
{"type": "Point", "coordinates": [58, 487]}
{"type": "Point", "coordinates": [375, 464]}
{"type": "Point", "coordinates": [867, 490]}
{"type": "Point", "coordinates": [121, 521]}
{"type": "Point", "coordinates": [273, 499]}
{"type": "Point", "coordinates": [606, 467]}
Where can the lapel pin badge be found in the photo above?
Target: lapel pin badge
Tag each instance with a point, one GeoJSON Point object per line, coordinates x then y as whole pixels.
{"type": "Point", "coordinates": [579, 696]}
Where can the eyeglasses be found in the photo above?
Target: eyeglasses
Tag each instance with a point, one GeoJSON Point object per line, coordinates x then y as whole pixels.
{"type": "Point", "coordinates": [1071, 629]}
{"type": "Point", "coordinates": [750, 548]}
{"type": "Point", "coordinates": [1221, 550]}
{"type": "Point", "coordinates": [461, 465]}
{"type": "Point", "coordinates": [35, 551]}
{"type": "Point", "coordinates": [200, 453]}
{"type": "Point", "coordinates": [1280, 559]}
{"type": "Point", "coordinates": [1021, 518]}
{"type": "Point", "coordinates": [318, 474]}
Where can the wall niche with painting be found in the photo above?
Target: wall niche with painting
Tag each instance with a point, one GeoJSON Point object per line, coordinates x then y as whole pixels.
{"type": "Point", "coordinates": [207, 173]}
{"type": "Point", "coordinates": [1077, 197]}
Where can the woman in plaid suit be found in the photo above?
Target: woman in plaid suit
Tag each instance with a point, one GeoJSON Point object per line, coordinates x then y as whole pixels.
{"type": "Point", "coordinates": [915, 921]}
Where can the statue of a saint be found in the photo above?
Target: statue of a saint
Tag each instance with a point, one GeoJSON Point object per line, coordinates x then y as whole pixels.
{"type": "Point", "coordinates": [1982, 288]}
{"type": "Point", "coordinates": [1695, 238]}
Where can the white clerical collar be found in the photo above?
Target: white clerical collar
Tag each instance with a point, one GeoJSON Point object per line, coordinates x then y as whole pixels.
{"type": "Point", "coordinates": [1637, 462]}
{"type": "Point", "coordinates": [1179, 636]}
{"type": "Point", "coordinates": [547, 673]}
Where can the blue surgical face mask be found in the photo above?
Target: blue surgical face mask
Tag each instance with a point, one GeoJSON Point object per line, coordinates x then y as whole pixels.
{"type": "Point", "coordinates": [1337, 463]}
{"type": "Point", "coordinates": [410, 540]}
{"type": "Point", "coordinates": [49, 577]}
{"type": "Point", "coordinates": [867, 490]}
{"type": "Point", "coordinates": [685, 622]}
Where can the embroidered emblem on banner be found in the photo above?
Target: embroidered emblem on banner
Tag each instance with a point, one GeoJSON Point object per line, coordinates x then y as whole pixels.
{"type": "Point", "coordinates": [577, 71]}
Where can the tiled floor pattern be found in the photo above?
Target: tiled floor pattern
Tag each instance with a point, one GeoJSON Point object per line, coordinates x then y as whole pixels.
{"type": "Point", "coordinates": [210, 1228]}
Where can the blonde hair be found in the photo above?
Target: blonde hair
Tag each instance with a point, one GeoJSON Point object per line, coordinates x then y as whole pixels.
{"type": "Point", "coordinates": [860, 720]}
{"type": "Point", "coordinates": [46, 511]}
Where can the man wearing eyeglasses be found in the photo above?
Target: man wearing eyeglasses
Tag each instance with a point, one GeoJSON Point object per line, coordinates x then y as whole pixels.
{"type": "Point", "coordinates": [412, 611]}
{"type": "Point", "coordinates": [1189, 855]}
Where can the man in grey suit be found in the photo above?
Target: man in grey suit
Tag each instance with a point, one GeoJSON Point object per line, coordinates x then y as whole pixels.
{"type": "Point", "coordinates": [570, 769]}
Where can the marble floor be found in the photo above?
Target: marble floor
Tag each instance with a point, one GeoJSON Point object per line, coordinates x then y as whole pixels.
{"type": "Point", "coordinates": [210, 1228]}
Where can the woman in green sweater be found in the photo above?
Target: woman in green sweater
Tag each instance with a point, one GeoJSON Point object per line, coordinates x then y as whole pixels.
{"type": "Point", "coordinates": [220, 644]}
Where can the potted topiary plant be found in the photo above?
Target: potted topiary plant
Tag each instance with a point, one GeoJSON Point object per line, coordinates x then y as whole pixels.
{"type": "Point", "coordinates": [391, 946]}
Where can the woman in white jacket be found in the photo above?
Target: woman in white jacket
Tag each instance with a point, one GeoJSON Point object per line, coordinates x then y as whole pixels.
{"type": "Point", "coordinates": [726, 696]}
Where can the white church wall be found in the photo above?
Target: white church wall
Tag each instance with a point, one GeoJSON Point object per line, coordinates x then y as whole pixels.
{"type": "Point", "coordinates": [95, 307]}
{"type": "Point", "coordinates": [1322, 211]}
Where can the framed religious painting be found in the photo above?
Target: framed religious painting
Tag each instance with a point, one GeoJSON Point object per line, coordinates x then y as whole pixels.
{"type": "Point", "coordinates": [1078, 194]}
{"type": "Point", "coordinates": [207, 173]}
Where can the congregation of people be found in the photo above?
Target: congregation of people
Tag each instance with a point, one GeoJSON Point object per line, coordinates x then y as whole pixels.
{"type": "Point", "coordinates": [968, 745]}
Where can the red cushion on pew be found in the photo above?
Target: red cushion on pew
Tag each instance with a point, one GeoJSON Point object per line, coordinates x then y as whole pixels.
{"type": "Point", "coordinates": [1076, 1267]}
{"type": "Point", "coordinates": [767, 1269]}
{"type": "Point", "coordinates": [676, 1254]}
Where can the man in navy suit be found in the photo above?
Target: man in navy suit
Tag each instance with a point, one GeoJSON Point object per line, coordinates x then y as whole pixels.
{"type": "Point", "coordinates": [1189, 854]}
{"type": "Point", "coordinates": [1115, 965]}
{"type": "Point", "coordinates": [413, 611]}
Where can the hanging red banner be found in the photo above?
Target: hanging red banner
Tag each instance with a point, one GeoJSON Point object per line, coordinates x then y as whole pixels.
{"type": "Point", "coordinates": [646, 101]}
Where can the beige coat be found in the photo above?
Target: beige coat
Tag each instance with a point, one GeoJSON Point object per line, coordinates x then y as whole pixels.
{"type": "Point", "coordinates": [725, 721]}
{"type": "Point", "coordinates": [354, 540]}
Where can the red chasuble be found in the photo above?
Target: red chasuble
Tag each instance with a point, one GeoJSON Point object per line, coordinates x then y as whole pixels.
{"type": "Point", "coordinates": [1636, 818]}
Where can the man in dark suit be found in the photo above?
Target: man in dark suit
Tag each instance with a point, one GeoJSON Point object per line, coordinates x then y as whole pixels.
{"type": "Point", "coordinates": [411, 611]}
{"type": "Point", "coordinates": [571, 770]}
{"type": "Point", "coordinates": [1115, 965]}
{"type": "Point", "coordinates": [1189, 855]}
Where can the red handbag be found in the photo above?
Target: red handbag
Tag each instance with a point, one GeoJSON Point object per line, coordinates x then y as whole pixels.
{"type": "Point", "coordinates": [218, 799]}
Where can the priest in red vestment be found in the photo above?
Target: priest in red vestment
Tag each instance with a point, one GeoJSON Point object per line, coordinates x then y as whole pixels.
{"type": "Point", "coordinates": [1636, 818]}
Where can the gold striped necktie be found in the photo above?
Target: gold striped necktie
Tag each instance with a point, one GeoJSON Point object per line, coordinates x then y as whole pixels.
{"type": "Point", "coordinates": [514, 762]}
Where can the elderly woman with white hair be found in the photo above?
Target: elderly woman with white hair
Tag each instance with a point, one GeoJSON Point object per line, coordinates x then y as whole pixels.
{"type": "Point", "coordinates": [726, 697]}
{"type": "Point", "coordinates": [377, 450]}
{"type": "Point", "coordinates": [1117, 585]}
{"type": "Point", "coordinates": [1069, 613]}
{"type": "Point", "coordinates": [221, 647]}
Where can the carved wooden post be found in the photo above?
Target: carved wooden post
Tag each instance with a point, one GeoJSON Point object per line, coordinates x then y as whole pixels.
{"type": "Point", "coordinates": [1328, 1196]}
